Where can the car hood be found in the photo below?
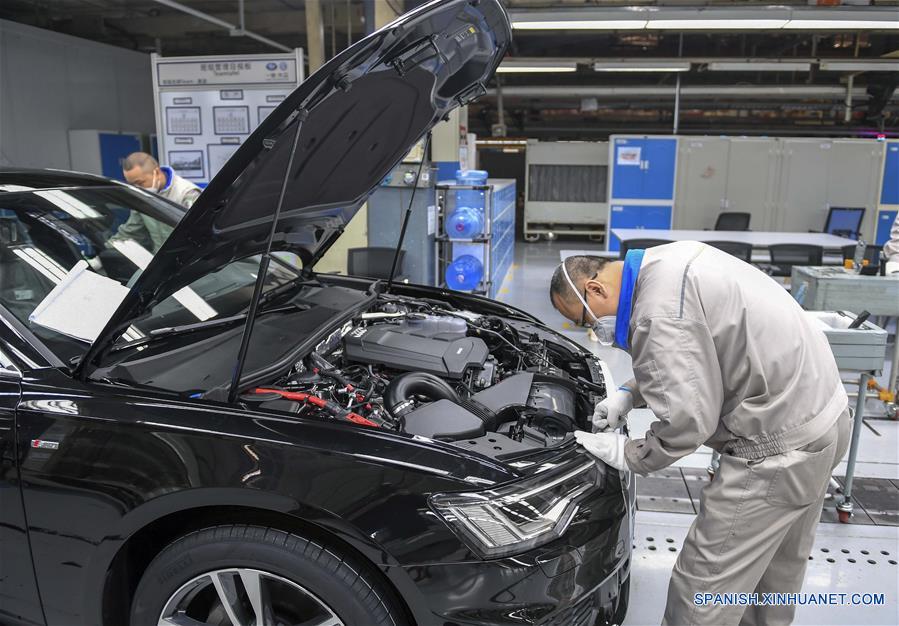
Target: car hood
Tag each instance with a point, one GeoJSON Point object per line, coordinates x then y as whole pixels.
{"type": "Point", "coordinates": [358, 115]}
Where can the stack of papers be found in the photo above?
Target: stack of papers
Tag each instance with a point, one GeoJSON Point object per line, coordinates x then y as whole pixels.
{"type": "Point", "coordinates": [81, 304]}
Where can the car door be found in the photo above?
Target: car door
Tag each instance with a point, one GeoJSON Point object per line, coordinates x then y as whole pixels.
{"type": "Point", "coordinates": [19, 599]}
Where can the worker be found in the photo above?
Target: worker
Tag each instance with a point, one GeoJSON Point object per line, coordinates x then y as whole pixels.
{"type": "Point", "coordinates": [891, 249]}
{"type": "Point", "coordinates": [723, 356]}
{"type": "Point", "coordinates": [142, 170]}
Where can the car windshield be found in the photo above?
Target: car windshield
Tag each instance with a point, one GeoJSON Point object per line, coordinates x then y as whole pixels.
{"type": "Point", "coordinates": [116, 230]}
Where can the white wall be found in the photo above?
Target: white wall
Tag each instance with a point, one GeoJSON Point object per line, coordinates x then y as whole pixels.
{"type": "Point", "coordinates": [51, 83]}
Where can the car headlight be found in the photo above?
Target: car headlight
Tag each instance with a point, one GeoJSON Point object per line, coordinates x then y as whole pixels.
{"type": "Point", "coordinates": [518, 516]}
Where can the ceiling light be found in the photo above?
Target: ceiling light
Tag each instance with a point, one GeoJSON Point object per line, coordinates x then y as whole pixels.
{"type": "Point", "coordinates": [706, 18]}
{"type": "Point", "coordinates": [646, 66]}
{"type": "Point", "coordinates": [860, 66]}
{"type": "Point", "coordinates": [536, 67]}
{"type": "Point", "coordinates": [594, 24]}
{"type": "Point", "coordinates": [716, 24]}
{"type": "Point", "coordinates": [841, 24]}
{"type": "Point", "coordinates": [759, 66]}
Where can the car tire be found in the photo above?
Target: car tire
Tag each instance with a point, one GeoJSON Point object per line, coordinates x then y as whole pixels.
{"type": "Point", "coordinates": [259, 571]}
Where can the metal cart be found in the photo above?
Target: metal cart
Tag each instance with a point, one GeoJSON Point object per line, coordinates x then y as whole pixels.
{"type": "Point", "coordinates": [858, 350]}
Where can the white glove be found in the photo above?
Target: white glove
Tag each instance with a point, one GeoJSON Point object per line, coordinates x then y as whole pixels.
{"type": "Point", "coordinates": [891, 268]}
{"type": "Point", "coordinates": [607, 447]}
{"type": "Point", "coordinates": [611, 412]}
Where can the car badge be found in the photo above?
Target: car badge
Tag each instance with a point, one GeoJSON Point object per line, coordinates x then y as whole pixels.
{"type": "Point", "coordinates": [45, 444]}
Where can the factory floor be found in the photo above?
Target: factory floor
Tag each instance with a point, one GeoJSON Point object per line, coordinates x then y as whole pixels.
{"type": "Point", "coordinates": [857, 557]}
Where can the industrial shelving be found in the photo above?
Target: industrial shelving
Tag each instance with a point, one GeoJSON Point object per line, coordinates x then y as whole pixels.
{"type": "Point", "coordinates": [494, 248]}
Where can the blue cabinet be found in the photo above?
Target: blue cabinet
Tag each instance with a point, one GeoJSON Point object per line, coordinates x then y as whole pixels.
{"type": "Point", "coordinates": [889, 192]}
{"type": "Point", "coordinates": [101, 152]}
{"type": "Point", "coordinates": [113, 150]}
{"type": "Point", "coordinates": [627, 168]}
{"type": "Point", "coordinates": [643, 168]}
{"type": "Point", "coordinates": [660, 159]}
{"type": "Point", "coordinates": [637, 216]}
{"type": "Point", "coordinates": [885, 221]}
{"type": "Point", "coordinates": [642, 185]}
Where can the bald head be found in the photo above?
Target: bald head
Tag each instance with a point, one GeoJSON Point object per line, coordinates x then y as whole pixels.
{"type": "Point", "coordinates": [595, 278]}
{"type": "Point", "coordinates": [142, 170]}
{"type": "Point", "coordinates": [580, 268]}
{"type": "Point", "coordinates": [140, 159]}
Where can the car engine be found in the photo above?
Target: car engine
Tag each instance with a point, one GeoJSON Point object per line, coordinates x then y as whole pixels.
{"type": "Point", "coordinates": [497, 386]}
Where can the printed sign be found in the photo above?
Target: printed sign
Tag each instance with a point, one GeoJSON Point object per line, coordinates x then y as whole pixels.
{"type": "Point", "coordinates": [227, 72]}
{"type": "Point", "coordinates": [187, 163]}
{"type": "Point", "coordinates": [628, 155]}
{"type": "Point", "coordinates": [206, 107]}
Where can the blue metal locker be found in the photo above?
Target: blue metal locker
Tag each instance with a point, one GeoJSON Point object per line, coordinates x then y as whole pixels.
{"type": "Point", "coordinates": [637, 216]}
{"type": "Point", "coordinates": [627, 164]}
{"type": "Point", "coordinates": [113, 150]}
{"type": "Point", "coordinates": [642, 186]}
{"type": "Point", "coordinates": [889, 193]}
{"type": "Point", "coordinates": [885, 221]}
{"type": "Point", "coordinates": [622, 216]}
{"type": "Point", "coordinates": [656, 217]}
{"type": "Point", "coordinates": [659, 158]}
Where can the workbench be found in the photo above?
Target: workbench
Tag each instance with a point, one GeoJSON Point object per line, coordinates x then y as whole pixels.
{"type": "Point", "coordinates": [757, 239]}
{"type": "Point", "coordinates": [822, 288]}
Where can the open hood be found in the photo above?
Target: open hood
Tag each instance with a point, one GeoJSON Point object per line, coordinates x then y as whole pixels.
{"type": "Point", "coordinates": [359, 114]}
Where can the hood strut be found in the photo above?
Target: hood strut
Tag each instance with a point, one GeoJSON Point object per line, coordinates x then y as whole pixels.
{"type": "Point", "coordinates": [264, 261]}
{"type": "Point", "coordinates": [399, 243]}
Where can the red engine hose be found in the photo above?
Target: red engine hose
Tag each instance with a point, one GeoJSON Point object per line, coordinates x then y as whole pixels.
{"type": "Point", "coordinates": [331, 407]}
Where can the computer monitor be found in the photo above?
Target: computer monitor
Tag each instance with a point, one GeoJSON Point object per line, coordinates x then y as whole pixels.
{"type": "Point", "coordinates": [844, 221]}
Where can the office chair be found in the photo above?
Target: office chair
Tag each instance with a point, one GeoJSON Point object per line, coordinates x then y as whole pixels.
{"type": "Point", "coordinates": [374, 262]}
{"type": "Point", "coordinates": [844, 222]}
{"type": "Point", "coordinates": [742, 251]}
{"type": "Point", "coordinates": [640, 244]}
{"type": "Point", "coordinates": [785, 255]}
{"type": "Point", "coordinates": [732, 221]}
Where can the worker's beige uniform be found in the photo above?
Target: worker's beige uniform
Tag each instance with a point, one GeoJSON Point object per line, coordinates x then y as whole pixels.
{"type": "Point", "coordinates": [891, 248]}
{"type": "Point", "coordinates": [724, 356]}
{"type": "Point", "coordinates": [178, 190]}
{"type": "Point", "coordinates": [149, 232]}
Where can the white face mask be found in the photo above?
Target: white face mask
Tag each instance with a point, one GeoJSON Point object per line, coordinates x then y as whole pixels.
{"type": "Point", "coordinates": [603, 327]}
{"type": "Point", "coordinates": [153, 188]}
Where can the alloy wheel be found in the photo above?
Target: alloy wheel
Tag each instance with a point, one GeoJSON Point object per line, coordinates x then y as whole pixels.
{"type": "Point", "coordinates": [245, 597]}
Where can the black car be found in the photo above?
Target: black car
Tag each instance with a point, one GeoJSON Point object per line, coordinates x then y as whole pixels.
{"type": "Point", "coordinates": [245, 441]}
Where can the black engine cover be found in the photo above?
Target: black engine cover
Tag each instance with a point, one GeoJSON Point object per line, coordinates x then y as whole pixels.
{"type": "Point", "coordinates": [396, 347]}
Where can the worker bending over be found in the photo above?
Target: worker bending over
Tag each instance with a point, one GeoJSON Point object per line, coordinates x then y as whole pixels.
{"type": "Point", "coordinates": [142, 170]}
{"type": "Point", "coordinates": [891, 249]}
{"type": "Point", "coordinates": [723, 356]}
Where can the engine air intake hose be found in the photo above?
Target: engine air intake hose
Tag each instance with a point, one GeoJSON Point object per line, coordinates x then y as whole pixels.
{"type": "Point", "coordinates": [401, 390]}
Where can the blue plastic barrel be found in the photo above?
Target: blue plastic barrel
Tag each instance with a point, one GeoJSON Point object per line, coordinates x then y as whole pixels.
{"type": "Point", "coordinates": [464, 273]}
{"type": "Point", "coordinates": [465, 223]}
{"type": "Point", "coordinates": [470, 197]}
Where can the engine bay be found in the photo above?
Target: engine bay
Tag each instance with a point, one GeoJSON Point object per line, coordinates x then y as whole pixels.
{"type": "Point", "coordinates": [498, 386]}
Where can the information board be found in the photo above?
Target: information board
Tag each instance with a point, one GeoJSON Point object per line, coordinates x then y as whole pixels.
{"type": "Point", "coordinates": [207, 106]}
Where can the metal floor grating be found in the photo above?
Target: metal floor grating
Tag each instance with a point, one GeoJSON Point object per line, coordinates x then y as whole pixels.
{"type": "Point", "coordinates": [677, 489]}
{"type": "Point", "coordinates": [875, 552]}
{"type": "Point", "coordinates": [844, 558]}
